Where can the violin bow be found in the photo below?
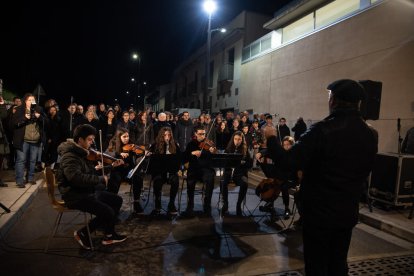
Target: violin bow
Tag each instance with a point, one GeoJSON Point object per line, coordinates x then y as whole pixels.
{"type": "Point", "coordinates": [100, 142]}
{"type": "Point", "coordinates": [208, 133]}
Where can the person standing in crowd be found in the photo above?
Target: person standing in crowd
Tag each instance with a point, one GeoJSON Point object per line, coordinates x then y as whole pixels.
{"type": "Point", "coordinates": [235, 126]}
{"type": "Point", "coordinates": [126, 123]}
{"type": "Point", "coordinates": [82, 189]}
{"type": "Point", "coordinates": [101, 113]}
{"type": "Point", "coordinates": [256, 135]}
{"type": "Point", "coordinates": [299, 128]}
{"type": "Point", "coordinates": [210, 128]}
{"type": "Point", "coordinates": [53, 136]}
{"type": "Point", "coordinates": [28, 134]}
{"type": "Point", "coordinates": [334, 176]}
{"type": "Point", "coordinates": [184, 131]}
{"type": "Point", "coordinates": [4, 144]}
{"type": "Point", "coordinates": [68, 121]}
{"type": "Point", "coordinates": [199, 169]}
{"type": "Point", "coordinates": [162, 122]}
{"type": "Point", "coordinates": [108, 126]}
{"type": "Point", "coordinates": [9, 128]}
{"type": "Point", "coordinates": [165, 145]}
{"type": "Point", "coordinates": [238, 145]}
{"type": "Point", "coordinates": [144, 132]}
{"type": "Point", "coordinates": [282, 129]}
{"type": "Point", "coordinates": [408, 143]}
{"type": "Point", "coordinates": [222, 136]}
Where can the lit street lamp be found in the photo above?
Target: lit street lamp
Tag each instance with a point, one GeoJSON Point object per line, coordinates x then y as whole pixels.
{"type": "Point", "coordinates": [210, 7]}
{"type": "Point", "coordinates": [135, 56]}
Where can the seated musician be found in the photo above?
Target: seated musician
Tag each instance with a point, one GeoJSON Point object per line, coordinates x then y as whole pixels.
{"type": "Point", "coordinates": [82, 189]}
{"type": "Point", "coordinates": [166, 173]}
{"type": "Point", "coordinates": [120, 148]}
{"type": "Point", "coordinates": [199, 155]}
{"type": "Point", "coordinates": [279, 171]}
{"type": "Point", "coordinates": [237, 144]}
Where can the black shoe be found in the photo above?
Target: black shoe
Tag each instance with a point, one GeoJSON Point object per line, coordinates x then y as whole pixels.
{"type": "Point", "coordinates": [137, 208]}
{"type": "Point", "coordinates": [114, 238]}
{"type": "Point", "coordinates": [266, 208]}
{"type": "Point", "coordinates": [32, 182]}
{"type": "Point", "coordinates": [155, 212]}
{"type": "Point", "coordinates": [171, 209]}
{"type": "Point", "coordinates": [22, 185]}
{"type": "Point", "coordinates": [188, 213]}
{"type": "Point", "coordinates": [225, 208]}
{"type": "Point", "coordinates": [82, 239]}
{"type": "Point", "coordinates": [207, 210]}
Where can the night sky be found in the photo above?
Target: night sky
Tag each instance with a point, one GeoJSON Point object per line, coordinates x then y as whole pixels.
{"type": "Point", "coordinates": [83, 48]}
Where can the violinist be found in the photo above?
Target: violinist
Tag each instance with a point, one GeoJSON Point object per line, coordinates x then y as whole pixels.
{"type": "Point", "coordinates": [166, 173]}
{"type": "Point", "coordinates": [119, 147]}
{"type": "Point", "coordinates": [82, 188]}
{"type": "Point", "coordinates": [237, 144]}
{"type": "Point", "coordinates": [199, 155]}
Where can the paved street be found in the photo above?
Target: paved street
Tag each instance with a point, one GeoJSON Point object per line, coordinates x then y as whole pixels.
{"type": "Point", "coordinates": [163, 246]}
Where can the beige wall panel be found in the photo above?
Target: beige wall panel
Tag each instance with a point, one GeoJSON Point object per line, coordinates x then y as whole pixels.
{"type": "Point", "coordinates": [364, 47]}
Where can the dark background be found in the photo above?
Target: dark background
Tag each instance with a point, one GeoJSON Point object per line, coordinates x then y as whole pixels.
{"type": "Point", "coordinates": [83, 48]}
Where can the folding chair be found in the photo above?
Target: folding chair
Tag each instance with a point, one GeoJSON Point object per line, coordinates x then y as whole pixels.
{"type": "Point", "coordinates": [59, 206]}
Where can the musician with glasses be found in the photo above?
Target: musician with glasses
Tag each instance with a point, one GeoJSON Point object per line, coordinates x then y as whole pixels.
{"type": "Point", "coordinates": [199, 155]}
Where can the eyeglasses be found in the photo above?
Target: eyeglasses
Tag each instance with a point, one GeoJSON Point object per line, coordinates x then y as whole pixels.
{"type": "Point", "coordinates": [201, 134]}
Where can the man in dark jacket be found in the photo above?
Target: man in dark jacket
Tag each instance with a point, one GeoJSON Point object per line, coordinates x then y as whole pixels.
{"type": "Point", "coordinates": [28, 134]}
{"type": "Point", "coordinates": [299, 128]}
{"type": "Point", "coordinates": [336, 155]}
{"type": "Point", "coordinates": [184, 131]}
{"type": "Point", "coordinates": [82, 189]}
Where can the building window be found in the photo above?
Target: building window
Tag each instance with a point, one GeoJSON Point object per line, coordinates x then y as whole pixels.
{"type": "Point", "coordinates": [334, 11]}
{"type": "Point", "coordinates": [230, 54]}
{"type": "Point", "coordinates": [266, 43]}
{"type": "Point", "coordinates": [298, 28]}
{"type": "Point", "coordinates": [246, 53]}
{"type": "Point", "coordinates": [236, 91]}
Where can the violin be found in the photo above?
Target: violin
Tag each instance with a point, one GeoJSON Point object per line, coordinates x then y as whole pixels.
{"type": "Point", "coordinates": [207, 145]}
{"type": "Point", "coordinates": [95, 155]}
{"type": "Point", "coordinates": [139, 150]}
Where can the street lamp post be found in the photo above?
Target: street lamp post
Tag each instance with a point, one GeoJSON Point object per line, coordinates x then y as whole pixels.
{"type": "Point", "coordinates": [209, 6]}
{"type": "Point", "coordinates": [135, 56]}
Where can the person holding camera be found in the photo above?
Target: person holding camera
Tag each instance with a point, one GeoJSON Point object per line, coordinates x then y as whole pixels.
{"type": "Point", "coordinates": [28, 123]}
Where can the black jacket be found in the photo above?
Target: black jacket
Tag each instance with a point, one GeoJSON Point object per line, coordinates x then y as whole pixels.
{"type": "Point", "coordinates": [196, 164]}
{"type": "Point", "coordinates": [336, 155]}
{"type": "Point", "coordinates": [20, 122]}
{"type": "Point", "coordinates": [76, 176]}
{"type": "Point", "coordinates": [144, 134]}
{"type": "Point", "coordinates": [183, 133]}
{"type": "Point", "coordinates": [299, 128]}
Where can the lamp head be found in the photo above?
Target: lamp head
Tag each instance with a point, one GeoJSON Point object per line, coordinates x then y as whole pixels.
{"type": "Point", "coordinates": [210, 6]}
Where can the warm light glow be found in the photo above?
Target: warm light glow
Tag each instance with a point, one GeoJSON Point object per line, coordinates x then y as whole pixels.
{"type": "Point", "coordinates": [223, 30]}
{"type": "Point", "coordinates": [135, 56]}
{"type": "Point", "coordinates": [210, 6]}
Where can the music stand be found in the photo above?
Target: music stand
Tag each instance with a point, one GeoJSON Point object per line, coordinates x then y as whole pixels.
{"type": "Point", "coordinates": [223, 161]}
{"type": "Point", "coordinates": [160, 164]}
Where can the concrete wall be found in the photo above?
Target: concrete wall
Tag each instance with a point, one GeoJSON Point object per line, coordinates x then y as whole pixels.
{"type": "Point", "coordinates": [377, 44]}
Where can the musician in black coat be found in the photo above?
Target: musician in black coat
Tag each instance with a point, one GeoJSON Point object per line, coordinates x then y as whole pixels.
{"type": "Point", "coordinates": [200, 168]}
{"type": "Point", "coordinates": [165, 173]}
{"type": "Point", "coordinates": [237, 145]}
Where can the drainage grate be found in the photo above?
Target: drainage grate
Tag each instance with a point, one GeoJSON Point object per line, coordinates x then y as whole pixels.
{"type": "Point", "coordinates": [403, 265]}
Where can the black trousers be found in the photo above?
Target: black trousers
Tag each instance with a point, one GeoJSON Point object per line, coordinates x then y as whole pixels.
{"type": "Point", "coordinates": [104, 205]}
{"type": "Point", "coordinates": [205, 175]}
{"type": "Point", "coordinates": [326, 250]}
{"type": "Point", "coordinates": [118, 175]}
{"type": "Point", "coordinates": [239, 180]}
{"type": "Point", "coordinates": [159, 180]}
